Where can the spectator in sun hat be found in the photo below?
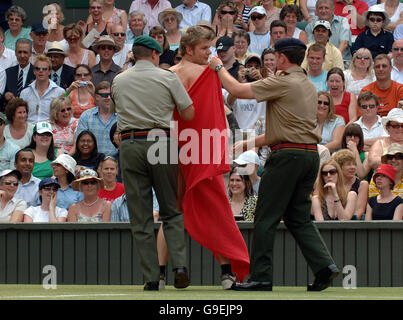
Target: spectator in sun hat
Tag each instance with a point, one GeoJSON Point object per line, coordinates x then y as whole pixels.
{"type": "Point", "coordinates": [386, 205]}
{"type": "Point", "coordinates": [249, 163]}
{"type": "Point", "coordinates": [11, 208]}
{"type": "Point", "coordinates": [62, 74]}
{"type": "Point", "coordinates": [63, 170]}
{"type": "Point", "coordinates": [7, 148]}
{"type": "Point", "coordinates": [47, 211]}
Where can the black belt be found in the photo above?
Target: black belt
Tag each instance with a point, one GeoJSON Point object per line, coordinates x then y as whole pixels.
{"type": "Point", "coordinates": [295, 146]}
{"type": "Point", "coordinates": [144, 133]}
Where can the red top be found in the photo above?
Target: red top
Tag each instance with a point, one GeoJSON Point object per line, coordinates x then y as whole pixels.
{"type": "Point", "coordinates": [342, 108]}
{"type": "Point", "coordinates": [112, 194]}
{"type": "Point", "coordinates": [343, 10]}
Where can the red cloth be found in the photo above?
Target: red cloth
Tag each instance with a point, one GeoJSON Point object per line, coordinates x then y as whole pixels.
{"type": "Point", "coordinates": [207, 212]}
{"type": "Point", "coordinates": [112, 194]}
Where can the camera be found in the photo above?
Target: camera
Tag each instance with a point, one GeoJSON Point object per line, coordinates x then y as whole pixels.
{"type": "Point", "coordinates": [83, 84]}
{"type": "Point", "coordinates": [247, 70]}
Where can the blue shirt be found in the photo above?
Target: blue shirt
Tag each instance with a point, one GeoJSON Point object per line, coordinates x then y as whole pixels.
{"type": "Point", "coordinates": [191, 16]}
{"type": "Point", "coordinates": [328, 128]}
{"type": "Point", "coordinates": [382, 43]}
{"type": "Point", "coordinates": [7, 155]}
{"type": "Point", "coordinates": [320, 81]}
{"type": "Point", "coordinates": [65, 198]}
{"type": "Point", "coordinates": [29, 192]}
{"type": "Point", "coordinates": [91, 120]}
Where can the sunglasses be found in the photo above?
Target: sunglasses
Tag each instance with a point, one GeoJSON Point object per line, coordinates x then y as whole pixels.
{"type": "Point", "coordinates": [398, 49]}
{"type": "Point", "coordinates": [395, 126]}
{"type": "Point", "coordinates": [365, 107]}
{"type": "Point", "coordinates": [80, 75]}
{"type": "Point", "coordinates": [331, 171]}
{"type": "Point", "coordinates": [363, 57]}
{"type": "Point", "coordinates": [253, 18]}
{"type": "Point", "coordinates": [92, 182]}
{"type": "Point", "coordinates": [106, 47]}
{"type": "Point", "coordinates": [104, 95]}
{"type": "Point", "coordinates": [41, 68]}
{"type": "Point", "coordinates": [72, 39]}
{"type": "Point", "coordinates": [67, 109]}
{"type": "Point", "coordinates": [326, 103]}
{"type": "Point", "coordinates": [95, 7]}
{"type": "Point", "coordinates": [117, 34]}
{"type": "Point", "coordinates": [170, 19]}
{"type": "Point", "coordinates": [375, 19]}
{"type": "Point", "coordinates": [224, 12]}
{"type": "Point", "coordinates": [398, 156]}
{"type": "Point", "coordinates": [9, 183]}
{"type": "Point", "coordinates": [49, 188]}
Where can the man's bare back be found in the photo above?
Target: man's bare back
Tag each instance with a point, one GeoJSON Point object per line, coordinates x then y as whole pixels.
{"type": "Point", "coordinates": [188, 72]}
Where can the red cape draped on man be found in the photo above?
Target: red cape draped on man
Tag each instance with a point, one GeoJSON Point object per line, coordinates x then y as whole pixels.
{"type": "Point", "coordinates": [208, 216]}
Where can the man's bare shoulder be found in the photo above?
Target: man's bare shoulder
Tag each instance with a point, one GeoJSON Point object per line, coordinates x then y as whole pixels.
{"type": "Point", "coordinates": [188, 72]}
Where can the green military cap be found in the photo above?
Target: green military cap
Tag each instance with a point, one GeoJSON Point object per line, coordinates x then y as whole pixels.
{"type": "Point", "coordinates": [148, 42]}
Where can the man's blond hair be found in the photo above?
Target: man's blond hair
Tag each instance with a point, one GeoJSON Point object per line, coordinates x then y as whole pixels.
{"type": "Point", "coordinates": [193, 36]}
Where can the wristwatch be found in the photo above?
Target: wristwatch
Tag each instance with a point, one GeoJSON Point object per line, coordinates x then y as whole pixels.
{"type": "Point", "coordinates": [217, 68]}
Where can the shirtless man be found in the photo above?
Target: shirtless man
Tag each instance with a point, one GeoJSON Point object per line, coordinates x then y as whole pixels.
{"type": "Point", "coordinates": [195, 51]}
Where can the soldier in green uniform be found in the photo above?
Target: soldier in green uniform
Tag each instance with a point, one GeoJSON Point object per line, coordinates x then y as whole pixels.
{"type": "Point", "coordinates": [144, 98]}
{"type": "Point", "coordinates": [290, 132]}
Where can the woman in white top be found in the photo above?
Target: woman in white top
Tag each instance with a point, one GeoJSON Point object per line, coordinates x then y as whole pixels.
{"type": "Point", "coordinates": [47, 211]}
{"type": "Point", "coordinates": [291, 14]}
{"type": "Point", "coordinates": [112, 14]}
{"type": "Point", "coordinates": [11, 209]}
{"type": "Point", "coordinates": [308, 8]}
{"type": "Point", "coordinates": [18, 131]}
{"type": "Point", "coordinates": [76, 54]}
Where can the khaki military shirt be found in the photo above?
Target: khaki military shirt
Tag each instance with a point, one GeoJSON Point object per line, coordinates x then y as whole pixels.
{"type": "Point", "coordinates": [291, 107]}
{"type": "Point", "coordinates": [145, 96]}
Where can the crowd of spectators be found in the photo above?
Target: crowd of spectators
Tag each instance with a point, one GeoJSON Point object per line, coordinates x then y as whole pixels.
{"type": "Point", "coordinates": [59, 144]}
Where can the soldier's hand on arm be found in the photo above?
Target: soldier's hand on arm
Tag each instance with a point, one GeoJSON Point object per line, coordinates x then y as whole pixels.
{"type": "Point", "coordinates": [188, 113]}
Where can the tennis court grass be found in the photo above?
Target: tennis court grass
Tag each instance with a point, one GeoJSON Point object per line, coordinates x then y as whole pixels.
{"type": "Point", "coordinates": [100, 292]}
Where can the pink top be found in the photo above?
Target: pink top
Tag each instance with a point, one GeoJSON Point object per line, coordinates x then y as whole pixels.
{"type": "Point", "coordinates": [64, 137]}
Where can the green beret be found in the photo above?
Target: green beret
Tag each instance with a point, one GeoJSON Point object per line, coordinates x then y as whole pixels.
{"type": "Point", "coordinates": [148, 42]}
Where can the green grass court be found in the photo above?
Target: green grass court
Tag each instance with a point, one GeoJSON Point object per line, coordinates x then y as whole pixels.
{"type": "Point", "coordinates": [78, 292]}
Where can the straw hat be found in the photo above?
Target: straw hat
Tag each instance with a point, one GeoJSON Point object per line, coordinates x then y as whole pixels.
{"type": "Point", "coordinates": [56, 47]}
{"type": "Point", "coordinates": [164, 13]}
{"type": "Point", "coordinates": [393, 149]}
{"type": "Point", "coordinates": [105, 40]}
{"type": "Point", "coordinates": [87, 174]}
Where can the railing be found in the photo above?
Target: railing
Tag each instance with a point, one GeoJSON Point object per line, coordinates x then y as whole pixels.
{"type": "Point", "coordinates": [103, 253]}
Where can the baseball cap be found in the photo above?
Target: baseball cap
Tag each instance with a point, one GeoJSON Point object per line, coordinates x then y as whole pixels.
{"type": "Point", "coordinates": [253, 57]}
{"type": "Point", "coordinates": [249, 156]}
{"type": "Point", "coordinates": [322, 23]}
{"type": "Point", "coordinates": [38, 28]}
{"type": "Point", "coordinates": [259, 10]}
{"type": "Point", "coordinates": [48, 181]}
{"type": "Point", "coordinates": [224, 43]}
{"type": "Point", "coordinates": [42, 127]}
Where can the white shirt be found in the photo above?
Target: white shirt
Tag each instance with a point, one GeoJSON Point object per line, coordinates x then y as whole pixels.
{"type": "Point", "coordinates": [396, 75]}
{"type": "Point", "coordinates": [29, 191]}
{"type": "Point", "coordinates": [38, 215]}
{"type": "Point", "coordinates": [377, 130]}
{"type": "Point", "coordinates": [39, 106]}
{"type": "Point", "coordinates": [119, 57]}
{"type": "Point", "coordinates": [150, 14]}
{"type": "Point", "coordinates": [11, 206]}
{"type": "Point", "coordinates": [191, 16]}
{"type": "Point", "coordinates": [3, 79]}
{"type": "Point", "coordinates": [8, 59]}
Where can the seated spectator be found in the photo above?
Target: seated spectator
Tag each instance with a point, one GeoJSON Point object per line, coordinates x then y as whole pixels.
{"type": "Point", "coordinates": [151, 10]}
{"type": "Point", "coordinates": [39, 36]}
{"type": "Point", "coordinates": [386, 205]}
{"type": "Point", "coordinates": [248, 163]}
{"type": "Point", "coordinates": [111, 14]}
{"type": "Point", "coordinates": [76, 54]}
{"type": "Point", "coordinates": [116, 139]}
{"type": "Point", "coordinates": [86, 153]}
{"type": "Point", "coordinates": [92, 208]}
{"type": "Point", "coordinates": [227, 14]}
{"type": "Point", "coordinates": [370, 122]}
{"type": "Point", "coordinates": [40, 93]}
{"type": "Point", "coordinates": [64, 126]}
{"type": "Point", "coordinates": [278, 30]}
{"type": "Point", "coordinates": [81, 91]}
{"type": "Point", "coordinates": [106, 69]}
{"type": "Point", "coordinates": [55, 24]}
{"type": "Point", "coordinates": [44, 150]}
{"type": "Point", "coordinates": [389, 92]}
{"type": "Point", "coordinates": [347, 162]}
{"type": "Point", "coordinates": [167, 56]}
{"type": "Point", "coordinates": [28, 185]}
{"type": "Point", "coordinates": [15, 17]}
{"type": "Point", "coordinates": [170, 20]}
{"type": "Point", "coordinates": [315, 59]}
{"type": "Point", "coordinates": [291, 14]}
{"type": "Point", "coordinates": [331, 126]}
{"type": "Point", "coordinates": [331, 201]}
{"type": "Point", "coordinates": [272, 12]}
{"type": "Point", "coordinates": [137, 24]}
{"type": "Point", "coordinates": [108, 170]}
{"type": "Point", "coordinates": [18, 130]}
{"type": "Point", "coordinates": [193, 11]}
{"type": "Point", "coordinates": [241, 197]}
{"type": "Point", "coordinates": [393, 156]}
{"type": "Point", "coordinates": [99, 120]}
{"type": "Point", "coordinates": [269, 62]}
{"type": "Point", "coordinates": [376, 39]}
{"type": "Point", "coordinates": [394, 9]}
{"type": "Point", "coordinates": [64, 170]}
{"type": "Point", "coordinates": [393, 125]}
{"type": "Point", "coordinates": [226, 53]}
{"type": "Point", "coordinates": [118, 34]}
{"type": "Point", "coordinates": [353, 140]}
{"type": "Point", "coordinates": [345, 103]}
{"type": "Point", "coordinates": [321, 35]}
{"type": "Point", "coordinates": [7, 148]}
{"type": "Point", "coordinates": [241, 43]}
{"type": "Point", "coordinates": [397, 61]}
{"type": "Point", "coordinates": [360, 72]}
{"type": "Point", "coordinates": [11, 208]}
{"type": "Point", "coordinates": [47, 211]}
{"type": "Point", "coordinates": [62, 74]}
{"type": "Point", "coordinates": [260, 36]}
{"type": "Point", "coordinates": [7, 56]}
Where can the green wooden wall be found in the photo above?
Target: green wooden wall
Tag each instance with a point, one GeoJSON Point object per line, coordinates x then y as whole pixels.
{"type": "Point", "coordinates": [103, 253]}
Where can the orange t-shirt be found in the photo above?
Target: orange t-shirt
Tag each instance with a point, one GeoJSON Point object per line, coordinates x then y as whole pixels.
{"type": "Point", "coordinates": [79, 108]}
{"type": "Point", "coordinates": [388, 98]}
